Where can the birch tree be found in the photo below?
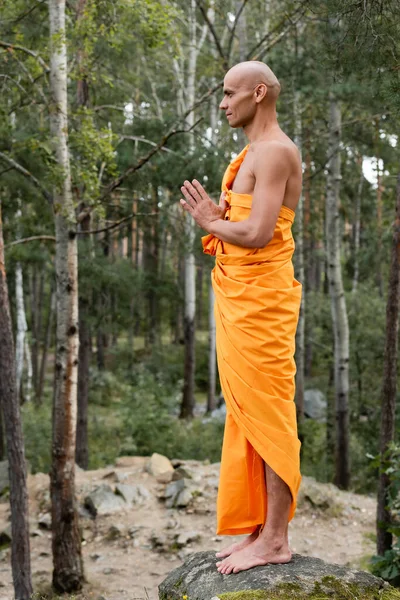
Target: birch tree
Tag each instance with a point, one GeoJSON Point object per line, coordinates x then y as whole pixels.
{"type": "Point", "coordinates": [188, 401]}
{"type": "Point", "coordinates": [338, 301]}
{"type": "Point", "coordinates": [66, 540]}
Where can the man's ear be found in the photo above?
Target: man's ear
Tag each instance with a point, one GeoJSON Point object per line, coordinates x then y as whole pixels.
{"type": "Point", "coordinates": [260, 92]}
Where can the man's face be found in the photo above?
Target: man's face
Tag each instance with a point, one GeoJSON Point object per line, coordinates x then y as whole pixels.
{"type": "Point", "coordinates": [238, 102]}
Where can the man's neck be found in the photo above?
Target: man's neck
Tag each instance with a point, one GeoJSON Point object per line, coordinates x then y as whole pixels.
{"type": "Point", "coordinates": [263, 125]}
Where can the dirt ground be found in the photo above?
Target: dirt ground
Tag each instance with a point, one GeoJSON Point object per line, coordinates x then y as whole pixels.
{"type": "Point", "coordinates": [124, 564]}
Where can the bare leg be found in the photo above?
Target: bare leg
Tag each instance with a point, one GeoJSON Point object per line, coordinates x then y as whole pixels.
{"type": "Point", "coordinates": [239, 545]}
{"type": "Point", "coordinates": [271, 546]}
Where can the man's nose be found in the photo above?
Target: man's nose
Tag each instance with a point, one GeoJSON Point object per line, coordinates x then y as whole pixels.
{"type": "Point", "coordinates": [223, 105]}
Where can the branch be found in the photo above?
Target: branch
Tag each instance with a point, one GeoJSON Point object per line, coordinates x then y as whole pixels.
{"type": "Point", "coordinates": [49, 238]}
{"type": "Point", "coordinates": [237, 17]}
{"type": "Point", "coordinates": [213, 32]}
{"type": "Point", "coordinates": [27, 174]}
{"type": "Point", "coordinates": [12, 47]}
{"type": "Point", "coordinates": [137, 138]}
{"type": "Point", "coordinates": [300, 9]}
{"type": "Point", "coordinates": [142, 161]}
{"type": "Point", "coordinates": [116, 224]}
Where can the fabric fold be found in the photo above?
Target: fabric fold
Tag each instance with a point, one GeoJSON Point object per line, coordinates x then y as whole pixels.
{"type": "Point", "coordinates": [257, 302]}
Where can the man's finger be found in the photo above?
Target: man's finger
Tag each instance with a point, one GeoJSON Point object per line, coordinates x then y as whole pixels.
{"type": "Point", "coordinates": [186, 206]}
{"type": "Point", "coordinates": [199, 188]}
{"type": "Point", "coordinates": [192, 191]}
{"type": "Point", "coordinates": [189, 198]}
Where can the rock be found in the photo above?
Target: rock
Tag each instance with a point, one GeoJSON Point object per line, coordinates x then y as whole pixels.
{"type": "Point", "coordinates": [315, 405]}
{"type": "Point", "coordinates": [159, 542]}
{"type": "Point", "coordinates": [44, 521]}
{"type": "Point", "coordinates": [159, 465]}
{"type": "Point", "coordinates": [103, 501]}
{"type": "Point", "coordinates": [166, 477]}
{"type": "Point", "coordinates": [184, 498]}
{"type": "Point", "coordinates": [5, 535]}
{"type": "Point", "coordinates": [131, 461]}
{"type": "Point", "coordinates": [198, 579]}
{"type": "Point", "coordinates": [4, 480]}
{"type": "Point", "coordinates": [322, 496]}
{"type": "Point", "coordinates": [115, 531]}
{"type": "Point", "coordinates": [185, 538]}
{"type": "Point", "coordinates": [134, 494]}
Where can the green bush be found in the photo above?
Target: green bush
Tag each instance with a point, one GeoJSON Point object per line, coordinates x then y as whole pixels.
{"type": "Point", "coordinates": [388, 565]}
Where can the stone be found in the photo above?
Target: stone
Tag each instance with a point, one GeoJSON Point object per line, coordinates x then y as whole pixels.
{"type": "Point", "coordinates": [322, 496]}
{"type": "Point", "coordinates": [166, 477]}
{"type": "Point", "coordinates": [103, 501]}
{"type": "Point", "coordinates": [115, 531]}
{"type": "Point", "coordinates": [187, 537]}
{"type": "Point", "coordinates": [302, 578]}
{"type": "Point", "coordinates": [315, 405]}
{"type": "Point", "coordinates": [44, 521]}
{"type": "Point", "coordinates": [184, 498]}
{"type": "Point", "coordinates": [4, 480]}
{"type": "Point", "coordinates": [158, 465]}
{"type": "Point", "coordinates": [131, 461]}
{"type": "Point", "coordinates": [133, 494]}
{"type": "Point", "coordinates": [5, 535]}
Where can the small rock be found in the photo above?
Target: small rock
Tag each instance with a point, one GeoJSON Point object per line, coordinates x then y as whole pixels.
{"type": "Point", "coordinates": [5, 535]}
{"type": "Point", "coordinates": [114, 532]}
{"type": "Point", "coordinates": [44, 521]}
{"type": "Point", "coordinates": [166, 477]}
{"type": "Point", "coordinates": [185, 538]}
{"type": "Point", "coordinates": [103, 501]}
{"type": "Point", "coordinates": [109, 571]}
{"type": "Point", "coordinates": [183, 499]}
{"type": "Point", "coordinates": [158, 465]}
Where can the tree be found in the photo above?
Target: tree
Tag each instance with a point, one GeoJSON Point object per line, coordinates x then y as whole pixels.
{"type": "Point", "coordinates": [9, 402]}
{"type": "Point", "coordinates": [66, 541]}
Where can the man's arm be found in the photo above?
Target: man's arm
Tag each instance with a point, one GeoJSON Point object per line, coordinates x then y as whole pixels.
{"type": "Point", "coordinates": [271, 172]}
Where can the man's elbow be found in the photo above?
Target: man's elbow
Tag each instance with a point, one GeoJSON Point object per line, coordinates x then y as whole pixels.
{"type": "Point", "coordinates": [260, 239]}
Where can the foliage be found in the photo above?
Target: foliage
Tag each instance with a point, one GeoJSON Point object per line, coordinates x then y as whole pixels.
{"type": "Point", "coordinates": [388, 565]}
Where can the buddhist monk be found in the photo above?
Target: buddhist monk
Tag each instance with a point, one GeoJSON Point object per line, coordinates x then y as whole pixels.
{"type": "Point", "coordinates": [256, 309]}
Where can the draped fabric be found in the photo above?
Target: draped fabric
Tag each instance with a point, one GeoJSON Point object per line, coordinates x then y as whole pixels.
{"type": "Point", "coordinates": [257, 302]}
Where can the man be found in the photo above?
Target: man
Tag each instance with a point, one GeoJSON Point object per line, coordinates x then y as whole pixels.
{"type": "Point", "coordinates": [257, 307]}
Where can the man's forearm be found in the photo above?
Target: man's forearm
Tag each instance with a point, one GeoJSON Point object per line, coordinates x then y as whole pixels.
{"type": "Point", "coordinates": [240, 233]}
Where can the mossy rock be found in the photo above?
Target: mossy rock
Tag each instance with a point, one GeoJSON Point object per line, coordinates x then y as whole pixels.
{"type": "Point", "coordinates": [304, 578]}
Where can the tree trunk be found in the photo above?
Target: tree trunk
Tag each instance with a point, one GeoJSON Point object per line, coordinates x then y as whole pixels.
{"type": "Point", "coordinates": [47, 343]}
{"type": "Point", "coordinates": [300, 360]}
{"type": "Point", "coordinates": [66, 539]}
{"type": "Point", "coordinates": [338, 301]}
{"type": "Point", "coordinates": [21, 328]}
{"type": "Point", "coordinates": [389, 391]}
{"type": "Point", "coordinates": [20, 547]}
{"type": "Point", "coordinates": [188, 401]}
{"type": "Point", "coordinates": [356, 227]}
{"type": "Point", "coordinates": [212, 357]}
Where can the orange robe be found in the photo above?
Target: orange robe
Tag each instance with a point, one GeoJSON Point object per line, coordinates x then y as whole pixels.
{"type": "Point", "coordinates": [257, 302]}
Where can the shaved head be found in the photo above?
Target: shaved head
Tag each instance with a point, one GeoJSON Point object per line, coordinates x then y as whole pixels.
{"type": "Point", "coordinates": [251, 73]}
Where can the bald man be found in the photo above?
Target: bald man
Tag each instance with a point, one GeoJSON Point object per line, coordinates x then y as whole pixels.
{"type": "Point", "coordinates": [249, 233]}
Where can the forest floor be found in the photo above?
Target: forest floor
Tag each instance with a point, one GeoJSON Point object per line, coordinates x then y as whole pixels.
{"type": "Point", "coordinates": [129, 552]}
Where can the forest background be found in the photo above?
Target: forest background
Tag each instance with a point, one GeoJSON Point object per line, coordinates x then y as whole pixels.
{"type": "Point", "coordinates": [144, 82]}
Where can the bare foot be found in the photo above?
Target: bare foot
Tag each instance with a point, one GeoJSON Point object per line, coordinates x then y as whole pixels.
{"type": "Point", "coordinates": [239, 545]}
{"type": "Point", "coordinates": [260, 552]}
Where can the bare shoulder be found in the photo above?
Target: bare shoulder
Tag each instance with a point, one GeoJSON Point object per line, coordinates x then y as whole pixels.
{"type": "Point", "coordinates": [276, 150]}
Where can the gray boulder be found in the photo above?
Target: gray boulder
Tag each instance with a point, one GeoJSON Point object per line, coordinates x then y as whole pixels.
{"type": "Point", "coordinates": [315, 405]}
{"type": "Point", "coordinates": [304, 577]}
{"type": "Point", "coordinates": [103, 501]}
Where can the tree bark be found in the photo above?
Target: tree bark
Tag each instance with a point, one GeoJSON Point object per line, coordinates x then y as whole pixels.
{"type": "Point", "coordinates": [338, 301]}
{"type": "Point", "coordinates": [20, 547]}
{"type": "Point", "coordinates": [389, 391]}
{"type": "Point", "coordinates": [66, 539]}
{"type": "Point", "coordinates": [300, 345]}
{"type": "Point", "coordinates": [47, 343]}
{"type": "Point", "coordinates": [356, 227]}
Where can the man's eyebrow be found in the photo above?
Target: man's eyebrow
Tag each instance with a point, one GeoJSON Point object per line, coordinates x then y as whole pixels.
{"type": "Point", "coordinates": [227, 91]}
